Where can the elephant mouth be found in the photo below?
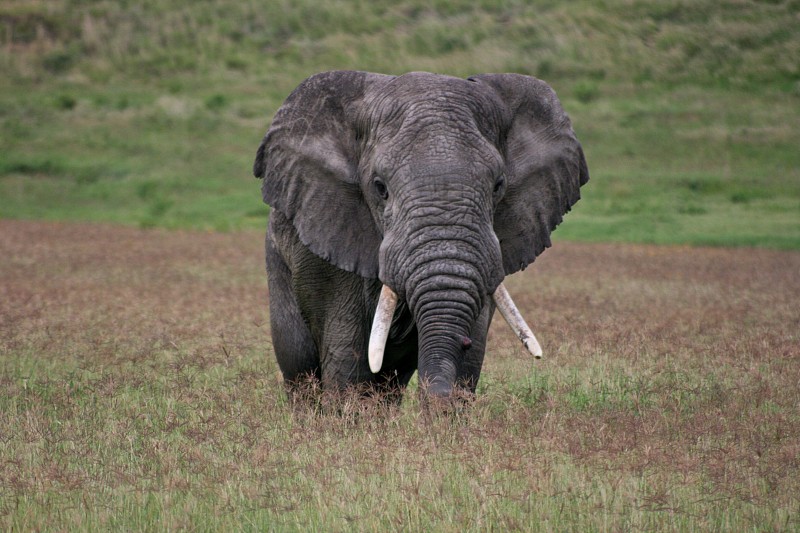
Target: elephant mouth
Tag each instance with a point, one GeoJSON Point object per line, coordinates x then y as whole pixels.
{"type": "Point", "coordinates": [388, 302]}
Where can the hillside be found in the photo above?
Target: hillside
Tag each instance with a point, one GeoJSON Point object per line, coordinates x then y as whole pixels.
{"type": "Point", "coordinates": [149, 113]}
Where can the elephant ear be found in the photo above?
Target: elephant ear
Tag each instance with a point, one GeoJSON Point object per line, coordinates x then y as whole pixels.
{"type": "Point", "coordinates": [545, 168]}
{"type": "Point", "coordinates": [309, 163]}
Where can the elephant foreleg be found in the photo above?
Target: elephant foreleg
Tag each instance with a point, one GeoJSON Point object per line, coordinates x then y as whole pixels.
{"type": "Point", "coordinates": [294, 346]}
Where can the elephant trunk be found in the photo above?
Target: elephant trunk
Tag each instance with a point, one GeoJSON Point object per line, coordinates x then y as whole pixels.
{"type": "Point", "coordinates": [445, 318]}
{"type": "Point", "coordinates": [447, 279]}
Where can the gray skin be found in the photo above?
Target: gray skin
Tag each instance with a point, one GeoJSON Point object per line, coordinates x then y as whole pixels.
{"type": "Point", "coordinates": [436, 186]}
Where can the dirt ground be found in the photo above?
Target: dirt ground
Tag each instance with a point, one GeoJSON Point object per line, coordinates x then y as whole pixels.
{"type": "Point", "coordinates": [674, 369]}
{"type": "Point", "coordinates": [118, 292]}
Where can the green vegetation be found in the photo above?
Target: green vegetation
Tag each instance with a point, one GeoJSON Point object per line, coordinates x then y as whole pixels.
{"type": "Point", "coordinates": [149, 113]}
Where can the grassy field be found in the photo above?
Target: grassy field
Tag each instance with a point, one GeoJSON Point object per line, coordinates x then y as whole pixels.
{"type": "Point", "coordinates": [150, 114]}
{"type": "Point", "coordinates": [137, 392]}
{"type": "Point", "coordinates": [137, 385]}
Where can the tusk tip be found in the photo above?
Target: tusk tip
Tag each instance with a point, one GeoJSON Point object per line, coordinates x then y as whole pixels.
{"type": "Point", "coordinates": [514, 319]}
{"type": "Point", "coordinates": [375, 362]}
{"type": "Point", "coordinates": [533, 347]}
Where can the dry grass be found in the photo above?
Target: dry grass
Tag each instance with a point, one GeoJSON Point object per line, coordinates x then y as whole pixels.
{"type": "Point", "coordinates": [137, 391]}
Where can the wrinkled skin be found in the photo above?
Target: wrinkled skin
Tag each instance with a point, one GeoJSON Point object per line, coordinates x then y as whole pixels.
{"type": "Point", "coordinates": [436, 186]}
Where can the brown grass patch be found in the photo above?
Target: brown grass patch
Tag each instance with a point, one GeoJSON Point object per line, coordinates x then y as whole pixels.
{"type": "Point", "coordinates": [138, 386]}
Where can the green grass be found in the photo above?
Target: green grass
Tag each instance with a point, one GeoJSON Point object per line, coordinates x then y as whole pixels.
{"type": "Point", "coordinates": [695, 167]}
{"type": "Point", "coordinates": [210, 443]}
{"type": "Point", "coordinates": [150, 114]}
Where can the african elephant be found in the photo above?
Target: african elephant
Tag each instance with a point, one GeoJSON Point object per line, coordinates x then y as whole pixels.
{"type": "Point", "coordinates": [399, 204]}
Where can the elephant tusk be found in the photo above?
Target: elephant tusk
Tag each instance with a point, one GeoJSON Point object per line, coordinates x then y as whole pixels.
{"type": "Point", "coordinates": [380, 328]}
{"type": "Point", "coordinates": [512, 315]}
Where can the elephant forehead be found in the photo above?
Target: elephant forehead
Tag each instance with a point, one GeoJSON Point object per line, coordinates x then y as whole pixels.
{"type": "Point", "coordinates": [428, 87]}
{"type": "Point", "coordinates": [433, 147]}
{"type": "Point", "coordinates": [435, 135]}
{"type": "Point", "coordinates": [414, 83]}
{"type": "Point", "coordinates": [420, 101]}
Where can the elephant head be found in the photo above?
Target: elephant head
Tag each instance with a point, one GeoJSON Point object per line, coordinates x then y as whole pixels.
{"type": "Point", "coordinates": [437, 186]}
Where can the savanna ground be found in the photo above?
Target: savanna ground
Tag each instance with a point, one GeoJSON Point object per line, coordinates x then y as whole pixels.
{"type": "Point", "coordinates": [139, 392]}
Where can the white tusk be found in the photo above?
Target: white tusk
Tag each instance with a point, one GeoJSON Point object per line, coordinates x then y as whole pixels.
{"type": "Point", "coordinates": [380, 328]}
{"type": "Point", "coordinates": [512, 315]}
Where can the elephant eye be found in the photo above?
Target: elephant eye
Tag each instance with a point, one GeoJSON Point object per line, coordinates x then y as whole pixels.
{"type": "Point", "coordinates": [380, 188]}
{"type": "Point", "coordinates": [498, 185]}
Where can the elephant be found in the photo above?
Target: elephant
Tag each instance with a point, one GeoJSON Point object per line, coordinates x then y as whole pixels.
{"type": "Point", "coordinates": [398, 206]}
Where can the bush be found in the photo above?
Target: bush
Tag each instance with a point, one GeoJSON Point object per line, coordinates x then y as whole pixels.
{"type": "Point", "coordinates": [586, 91]}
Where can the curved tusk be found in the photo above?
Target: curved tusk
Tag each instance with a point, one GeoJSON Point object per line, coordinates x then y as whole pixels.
{"type": "Point", "coordinates": [512, 315]}
{"type": "Point", "coordinates": [380, 328]}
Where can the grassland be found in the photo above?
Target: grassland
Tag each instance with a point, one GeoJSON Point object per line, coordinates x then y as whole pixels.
{"type": "Point", "coordinates": [149, 114]}
{"type": "Point", "coordinates": [137, 392]}
{"type": "Point", "coordinates": [137, 386]}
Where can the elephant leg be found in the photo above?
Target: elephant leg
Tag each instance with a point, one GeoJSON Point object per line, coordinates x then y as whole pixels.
{"type": "Point", "coordinates": [295, 350]}
{"type": "Point", "coordinates": [345, 336]}
{"type": "Point", "coordinates": [347, 330]}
